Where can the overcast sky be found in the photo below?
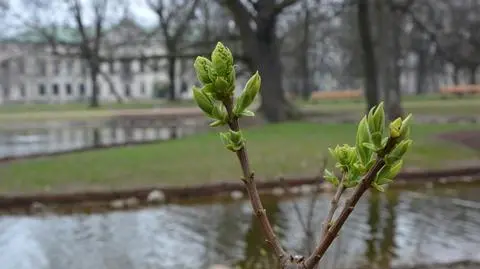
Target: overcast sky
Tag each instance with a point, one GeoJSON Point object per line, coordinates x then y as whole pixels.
{"type": "Point", "coordinates": [10, 23]}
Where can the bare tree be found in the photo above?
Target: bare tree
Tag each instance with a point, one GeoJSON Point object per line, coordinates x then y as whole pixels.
{"type": "Point", "coordinates": [369, 60]}
{"type": "Point", "coordinates": [174, 17]}
{"type": "Point", "coordinates": [257, 21]}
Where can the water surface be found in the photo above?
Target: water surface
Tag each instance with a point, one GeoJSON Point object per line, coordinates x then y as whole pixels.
{"type": "Point", "coordinates": [399, 228]}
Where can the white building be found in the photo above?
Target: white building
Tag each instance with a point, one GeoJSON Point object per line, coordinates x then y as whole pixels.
{"type": "Point", "coordinates": [31, 73]}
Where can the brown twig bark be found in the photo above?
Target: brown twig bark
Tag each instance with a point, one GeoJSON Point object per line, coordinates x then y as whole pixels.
{"type": "Point", "coordinates": [249, 180]}
{"type": "Point", "coordinates": [350, 204]}
{"type": "Point", "coordinates": [347, 209]}
{"type": "Point", "coordinates": [327, 223]}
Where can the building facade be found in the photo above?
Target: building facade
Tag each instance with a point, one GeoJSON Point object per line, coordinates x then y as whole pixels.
{"type": "Point", "coordinates": [32, 73]}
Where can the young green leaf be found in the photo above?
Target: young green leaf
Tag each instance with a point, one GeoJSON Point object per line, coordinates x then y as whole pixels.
{"type": "Point", "coordinates": [248, 95]}
{"type": "Point", "coordinates": [204, 101]}
{"type": "Point", "coordinates": [363, 136]}
{"type": "Point", "coordinates": [247, 113]}
{"type": "Point", "coordinates": [330, 177]}
{"type": "Point", "coordinates": [398, 152]}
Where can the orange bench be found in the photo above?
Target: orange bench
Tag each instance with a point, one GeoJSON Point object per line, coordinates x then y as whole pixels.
{"type": "Point", "coordinates": [337, 95]}
{"type": "Point", "coordinates": [461, 89]}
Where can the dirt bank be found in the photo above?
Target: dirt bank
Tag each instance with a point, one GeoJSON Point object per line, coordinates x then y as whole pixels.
{"type": "Point", "coordinates": [165, 194]}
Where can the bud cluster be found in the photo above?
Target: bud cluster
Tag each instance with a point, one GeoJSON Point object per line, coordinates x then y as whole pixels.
{"type": "Point", "coordinates": [216, 96]}
{"type": "Point", "coordinates": [372, 143]}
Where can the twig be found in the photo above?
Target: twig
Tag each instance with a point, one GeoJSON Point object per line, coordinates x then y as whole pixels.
{"type": "Point", "coordinates": [249, 180]}
{"type": "Point", "coordinates": [327, 223]}
{"type": "Point", "coordinates": [347, 209]}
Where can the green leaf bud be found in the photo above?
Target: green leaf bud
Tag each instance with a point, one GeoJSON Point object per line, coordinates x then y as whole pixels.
{"type": "Point", "coordinates": [219, 112]}
{"type": "Point", "coordinates": [363, 136]}
{"type": "Point", "coordinates": [395, 128]}
{"type": "Point", "coordinates": [330, 177]}
{"type": "Point", "coordinates": [204, 101]}
{"type": "Point", "coordinates": [247, 113]}
{"type": "Point", "coordinates": [222, 60]}
{"type": "Point", "coordinates": [398, 151]}
{"type": "Point", "coordinates": [203, 67]}
{"type": "Point", "coordinates": [378, 187]}
{"type": "Point", "coordinates": [388, 173]}
{"type": "Point", "coordinates": [248, 95]}
{"type": "Point", "coordinates": [217, 123]}
{"type": "Point", "coordinates": [376, 119]}
{"type": "Point", "coordinates": [405, 129]}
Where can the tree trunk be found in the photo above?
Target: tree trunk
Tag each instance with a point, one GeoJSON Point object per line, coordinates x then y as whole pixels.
{"type": "Point", "coordinates": [260, 45]}
{"type": "Point", "coordinates": [370, 68]}
{"type": "Point", "coordinates": [395, 109]}
{"type": "Point", "coordinates": [171, 77]}
{"type": "Point", "coordinates": [94, 79]}
{"type": "Point", "coordinates": [306, 91]}
{"type": "Point", "coordinates": [473, 75]}
{"type": "Point", "coordinates": [274, 105]}
{"type": "Point", "coordinates": [112, 87]}
{"type": "Point", "coordinates": [421, 72]}
{"type": "Point", "coordinates": [456, 73]}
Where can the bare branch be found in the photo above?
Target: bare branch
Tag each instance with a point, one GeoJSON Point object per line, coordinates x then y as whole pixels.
{"type": "Point", "coordinates": [284, 4]}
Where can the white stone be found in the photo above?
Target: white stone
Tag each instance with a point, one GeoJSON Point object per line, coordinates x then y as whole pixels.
{"type": "Point", "coordinates": [117, 204]}
{"type": "Point", "coordinates": [156, 196]}
{"type": "Point", "coordinates": [429, 185]}
{"type": "Point", "coordinates": [306, 189]}
{"type": "Point", "coordinates": [295, 190]}
{"type": "Point", "coordinates": [132, 202]}
{"type": "Point", "coordinates": [236, 195]}
{"type": "Point", "coordinates": [443, 180]}
{"type": "Point", "coordinates": [37, 207]}
{"type": "Point", "coordinates": [278, 191]}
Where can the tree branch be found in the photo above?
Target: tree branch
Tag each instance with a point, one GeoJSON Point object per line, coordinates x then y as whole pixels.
{"type": "Point", "coordinates": [282, 5]}
{"type": "Point", "coordinates": [249, 180]}
{"type": "Point", "coordinates": [350, 204]}
{"type": "Point", "coordinates": [327, 223]}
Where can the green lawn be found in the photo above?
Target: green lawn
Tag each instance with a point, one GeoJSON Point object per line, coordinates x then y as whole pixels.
{"type": "Point", "coordinates": [416, 105]}
{"type": "Point", "coordinates": [29, 108]}
{"type": "Point", "coordinates": [19, 112]}
{"type": "Point", "coordinates": [465, 106]}
{"type": "Point", "coordinates": [283, 149]}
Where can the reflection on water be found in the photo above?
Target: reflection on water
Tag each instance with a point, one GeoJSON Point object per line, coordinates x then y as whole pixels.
{"type": "Point", "coordinates": [65, 137]}
{"type": "Point", "coordinates": [385, 230]}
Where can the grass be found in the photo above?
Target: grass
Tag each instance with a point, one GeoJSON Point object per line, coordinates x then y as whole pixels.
{"type": "Point", "coordinates": [282, 149]}
{"type": "Point", "coordinates": [419, 105]}
{"type": "Point", "coordinates": [465, 106]}
{"type": "Point", "coordinates": [15, 112]}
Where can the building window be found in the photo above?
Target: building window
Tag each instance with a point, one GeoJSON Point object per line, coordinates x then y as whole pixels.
{"type": "Point", "coordinates": [155, 65]}
{"type": "Point", "coordinates": [70, 63]}
{"type": "Point", "coordinates": [127, 90]}
{"type": "Point", "coordinates": [84, 68]}
{"type": "Point", "coordinates": [142, 88]}
{"type": "Point", "coordinates": [126, 68]}
{"type": "Point", "coordinates": [68, 89]}
{"type": "Point", "coordinates": [41, 67]}
{"type": "Point", "coordinates": [41, 89]}
{"type": "Point", "coordinates": [81, 89]}
{"type": "Point", "coordinates": [111, 65]}
{"type": "Point", "coordinates": [21, 65]}
{"type": "Point", "coordinates": [55, 89]}
{"type": "Point", "coordinates": [22, 90]}
{"type": "Point", "coordinates": [142, 64]}
{"type": "Point", "coordinates": [56, 66]}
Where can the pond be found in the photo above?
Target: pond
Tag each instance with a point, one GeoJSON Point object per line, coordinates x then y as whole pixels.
{"type": "Point", "coordinates": [61, 136]}
{"type": "Point", "coordinates": [405, 227]}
